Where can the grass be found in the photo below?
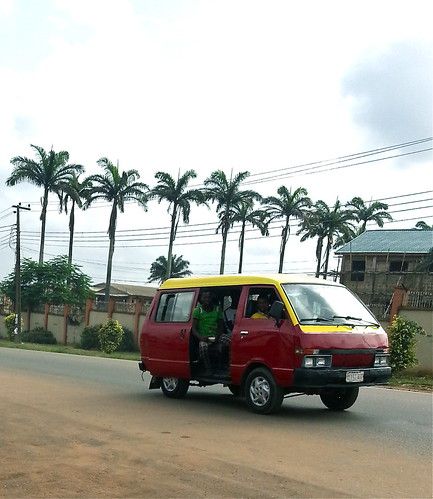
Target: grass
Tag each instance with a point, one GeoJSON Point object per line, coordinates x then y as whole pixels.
{"type": "Point", "coordinates": [70, 349]}
{"type": "Point", "coordinates": [411, 381]}
{"type": "Point", "coordinates": [423, 382]}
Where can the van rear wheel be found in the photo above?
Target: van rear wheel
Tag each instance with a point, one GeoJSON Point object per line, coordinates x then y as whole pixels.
{"type": "Point", "coordinates": [339, 399]}
{"type": "Point", "coordinates": [262, 393]}
{"type": "Point", "coordinates": [174, 388]}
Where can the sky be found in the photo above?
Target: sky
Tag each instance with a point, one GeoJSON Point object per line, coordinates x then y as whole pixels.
{"type": "Point", "coordinates": [232, 85]}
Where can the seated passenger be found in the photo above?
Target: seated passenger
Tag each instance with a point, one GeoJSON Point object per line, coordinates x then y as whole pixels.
{"type": "Point", "coordinates": [263, 306]}
{"type": "Point", "coordinates": [207, 321]}
{"type": "Point", "coordinates": [230, 312]}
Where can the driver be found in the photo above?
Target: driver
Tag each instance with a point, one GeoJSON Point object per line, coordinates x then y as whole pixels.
{"type": "Point", "coordinates": [263, 306]}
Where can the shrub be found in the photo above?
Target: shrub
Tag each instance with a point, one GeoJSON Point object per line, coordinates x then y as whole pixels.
{"type": "Point", "coordinates": [110, 336]}
{"type": "Point", "coordinates": [128, 343]}
{"type": "Point", "coordinates": [402, 339]}
{"type": "Point", "coordinates": [89, 337]}
{"type": "Point", "coordinates": [10, 326]}
{"type": "Point", "coordinates": [39, 335]}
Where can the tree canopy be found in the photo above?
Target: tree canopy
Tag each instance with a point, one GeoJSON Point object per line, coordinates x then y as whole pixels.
{"type": "Point", "coordinates": [55, 282]}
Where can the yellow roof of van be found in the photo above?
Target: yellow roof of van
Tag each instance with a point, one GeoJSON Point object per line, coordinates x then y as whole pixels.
{"type": "Point", "coordinates": [242, 279]}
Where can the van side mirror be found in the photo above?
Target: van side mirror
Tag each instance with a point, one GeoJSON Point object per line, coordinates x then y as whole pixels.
{"type": "Point", "coordinates": [276, 311]}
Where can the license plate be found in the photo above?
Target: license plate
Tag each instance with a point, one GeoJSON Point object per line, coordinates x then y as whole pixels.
{"type": "Point", "coordinates": [354, 376]}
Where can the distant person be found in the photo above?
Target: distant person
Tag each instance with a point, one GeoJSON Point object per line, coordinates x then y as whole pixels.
{"type": "Point", "coordinates": [207, 322]}
{"type": "Point", "coordinates": [263, 306]}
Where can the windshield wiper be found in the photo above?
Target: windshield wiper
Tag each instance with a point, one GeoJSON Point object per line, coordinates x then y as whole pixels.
{"type": "Point", "coordinates": [350, 318]}
{"type": "Point", "coordinates": [317, 319]}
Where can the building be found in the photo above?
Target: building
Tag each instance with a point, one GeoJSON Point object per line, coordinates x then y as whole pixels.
{"type": "Point", "coordinates": [376, 261]}
{"type": "Point", "coordinates": [124, 293]}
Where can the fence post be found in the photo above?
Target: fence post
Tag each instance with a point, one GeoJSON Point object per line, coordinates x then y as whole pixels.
{"type": "Point", "coordinates": [65, 324]}
{"type": "Point", "coordinates": [46, 312]}
{"type": "Point", "coordinates": [138, 308]}
{"type": "Point", "coordinates": [28, 318]}
{"type": "Point", "coordinates": [397, 300]}
{"type": "Point", "coordinates": [89, 307]}
{"type": "Point", "coordinates": [111, 305]}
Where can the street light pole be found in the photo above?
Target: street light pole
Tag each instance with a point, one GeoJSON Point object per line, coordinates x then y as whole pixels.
{"type": "Point", "coordinates": [17, 331]}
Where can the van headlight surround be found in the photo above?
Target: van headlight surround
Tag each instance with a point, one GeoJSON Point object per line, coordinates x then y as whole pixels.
{"type": "Point", "coordinates": [381, 360]}
{"type": "Point", "coordinates": [317, 361]}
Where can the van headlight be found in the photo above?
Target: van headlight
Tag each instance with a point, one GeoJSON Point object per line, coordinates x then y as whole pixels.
{"type": "Point", "coordinates": [317, 361]}
{"type": "Point", "coordinates": [381, 360]}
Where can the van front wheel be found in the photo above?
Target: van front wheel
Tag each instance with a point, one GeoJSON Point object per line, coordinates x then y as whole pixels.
{"type": "Point", "coordinates": [262, 393]}
{"type": "Point", "coordinates": [174, 388]}
{"type": "Point", "coordinates": [339, 399]}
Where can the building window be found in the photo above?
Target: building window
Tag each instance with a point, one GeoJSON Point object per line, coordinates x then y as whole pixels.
{"type": "Point", "coordinates": [358, 270]}
{"type": "Point", "coordinates": [398, 266]}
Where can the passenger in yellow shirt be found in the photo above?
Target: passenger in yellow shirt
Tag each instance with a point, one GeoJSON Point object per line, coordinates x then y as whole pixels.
{"type": "Point", "coordinates": [262, 307]}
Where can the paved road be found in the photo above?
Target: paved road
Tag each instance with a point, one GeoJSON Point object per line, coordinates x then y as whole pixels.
{"type": "Point", "coordinates": [86, 426]}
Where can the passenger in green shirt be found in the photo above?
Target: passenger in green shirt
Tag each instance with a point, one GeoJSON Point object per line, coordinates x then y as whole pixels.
{"type": "Point", "coordinates": [207, 321]}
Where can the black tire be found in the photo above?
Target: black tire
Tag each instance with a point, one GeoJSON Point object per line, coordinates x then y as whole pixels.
{"type": "Point", "coordinates": [235, 389]}
{"type": "Point", "coordinates": [340, 399]}
{"type": "Point", "coordinates": [174, 388]}
{"type": "Point", "coordinates": [262, 393]}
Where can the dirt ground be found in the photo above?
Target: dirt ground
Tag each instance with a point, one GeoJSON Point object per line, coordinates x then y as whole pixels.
{"type": "Point", "coordinates": [61, 439]}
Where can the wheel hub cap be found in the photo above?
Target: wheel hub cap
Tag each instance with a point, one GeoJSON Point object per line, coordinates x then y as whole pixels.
{"type": "Point", "coordinates": [170, 384]}
{"type": "Point", "coordinates": [260, 391]}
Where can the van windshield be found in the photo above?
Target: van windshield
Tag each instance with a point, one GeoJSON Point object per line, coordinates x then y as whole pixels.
{"type": "Point", "coordinates": [322, 304]}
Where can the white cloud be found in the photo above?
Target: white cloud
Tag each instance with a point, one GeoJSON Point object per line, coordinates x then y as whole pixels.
{"type": "Point", "coordinates": [242, 85]}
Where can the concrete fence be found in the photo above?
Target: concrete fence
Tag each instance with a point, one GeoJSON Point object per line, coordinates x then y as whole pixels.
{"type": "Point", "coordinates": [67, 324]}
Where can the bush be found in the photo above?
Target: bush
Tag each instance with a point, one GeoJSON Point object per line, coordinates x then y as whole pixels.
{"type": "Point", "coordinates": [110, 336]}
{"type": "Point", "coordinates": [39, 335]}
{"type": "Point", "coordinates": [90, 338]}
{"type": "Point", "coordinates": [402, 339]}
{"type": "Point", "coordinates": [128, 343]}
{"type": "Point", "coordinates": [10, 326]}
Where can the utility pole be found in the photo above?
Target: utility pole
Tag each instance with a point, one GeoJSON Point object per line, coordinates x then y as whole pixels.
{"type": "Point", "coordinates": [17, 331]}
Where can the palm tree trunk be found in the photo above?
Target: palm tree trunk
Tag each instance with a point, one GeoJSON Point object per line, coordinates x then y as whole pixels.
{"type": "Point", "coordinates": [112, 235]}
{"type": "Point", "coordinates": [170, 243]}
{"type": "Point", "coordinates": [327, 254]}
{"type": "Point", "coordinates": [71, 231]}
{"type": "Point", "coordinates": [241, 247]}
{"type": "Point", "coordinates": [44, 221]}
{"type": "Point", "coordinates": [319, 255]}
{"type": "Point", "coordinates": [223, 249]}
{"type": "Point", "coordinates": [284, 237]}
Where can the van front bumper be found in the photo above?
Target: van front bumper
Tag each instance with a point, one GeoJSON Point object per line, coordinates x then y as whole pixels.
{"type": "Point", "coordinates": [319, 378]}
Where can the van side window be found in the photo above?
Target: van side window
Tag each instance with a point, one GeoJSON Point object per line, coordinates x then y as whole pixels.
{"type": "Point", "coordinates": [268, 295]}
{"type": "Point", "coordinates": [175, 307]}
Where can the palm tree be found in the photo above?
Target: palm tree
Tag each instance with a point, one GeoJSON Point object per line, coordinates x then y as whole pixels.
{"type": "Point", "coordinates": [337, 223]}
{"type": "Point", "coordinates": [76, 192]}
{"type": "Point", "coordinates": [179, 202]}
{"type": "Point", "coordinates": [228, 196]}
{"type": "Point", "coordinates": [373, 212]}
{"type": "Point", "coordinates": [312, 225]}
{"type": "Point", "coordinates": [48, 171]}
{"type": "Point", "coordinates": [423, 225]}
{"type": "Point", "coordinates": [246, 214]}
{"type": "Point", "coordinates": [288, 205]}
{"type": "Point", "coordinates": [117, 188]}
{"type": "Point", "coordinates": [158, 269]}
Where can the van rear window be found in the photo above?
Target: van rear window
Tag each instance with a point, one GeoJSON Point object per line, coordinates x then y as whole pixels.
{"type": "Point", "coordinates": [175, 307]}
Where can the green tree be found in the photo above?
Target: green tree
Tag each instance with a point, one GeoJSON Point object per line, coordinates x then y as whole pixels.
{"type": "Point", "coordinates": [313, 225]}
{"type": "Point", "coordinates": [228, 197]}
{"type": "Point", "coordinates": [75, 192]}
{"type": "Point", "coordinates": [179, 268]}
{"type": "Point", "coordinates": [245, 214]}
{"type": "Point", "coordinates": [55, 282]}
{"type": "Point", "coordinates": [423, 225]}
{"type": "Point", "coordinates": [48, 171]}
{"type": "Point", "coordinates": [371, 212]}
{"type": "Point", "coordinates": [338, 224]}
{"type": "Point", "coordinates": [402, 338]}
{"type": "Point", "coordinates": [289, 204]}
{"type": "Point", "coordinates": [117, 188]}
{"type": "Point", "coordinates": [179, 199]}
